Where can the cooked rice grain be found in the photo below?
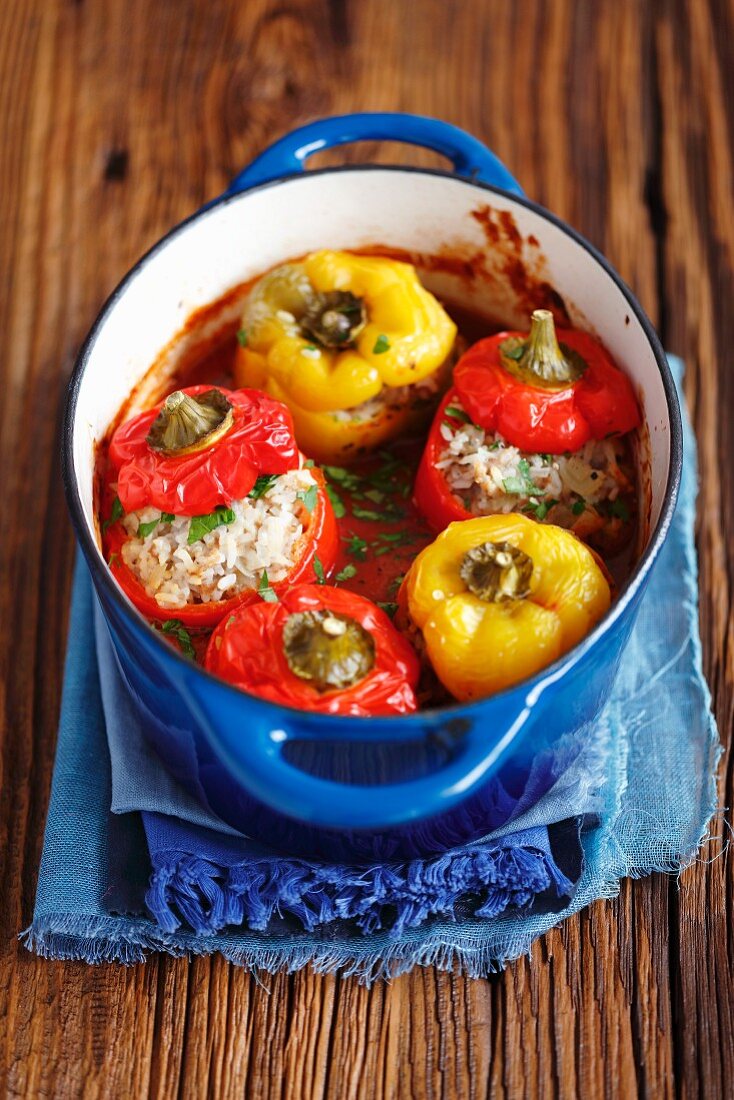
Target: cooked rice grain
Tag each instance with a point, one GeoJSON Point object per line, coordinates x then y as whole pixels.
{"type": "Point", "coordinates": [489, 476]}
{"type": "Point", "coordinates": [226, 560]}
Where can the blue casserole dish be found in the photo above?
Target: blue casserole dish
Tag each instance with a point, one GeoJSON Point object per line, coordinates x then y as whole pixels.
{"type": "Point", "coordinates": [357, 788]}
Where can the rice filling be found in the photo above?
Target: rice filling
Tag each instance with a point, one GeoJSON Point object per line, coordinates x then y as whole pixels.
{"type": "Point", "coordinates": [487, 475]}
{"type": "Point", "coordinates": [233, 556]}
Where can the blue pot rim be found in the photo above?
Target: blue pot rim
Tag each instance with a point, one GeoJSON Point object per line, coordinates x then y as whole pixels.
{"type": "Point", "coordinates": [355, 724]}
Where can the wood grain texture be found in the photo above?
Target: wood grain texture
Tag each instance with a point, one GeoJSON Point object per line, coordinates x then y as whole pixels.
{"type": "Point", "coordinates": [119, 117]}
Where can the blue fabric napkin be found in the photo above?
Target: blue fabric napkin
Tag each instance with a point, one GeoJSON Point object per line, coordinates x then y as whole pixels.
{"type": "Point", "coordinates": [635, 798]}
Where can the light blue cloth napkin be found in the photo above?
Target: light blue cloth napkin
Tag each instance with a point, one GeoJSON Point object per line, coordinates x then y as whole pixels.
{"type": "Point", "coordinates": [653, 800]}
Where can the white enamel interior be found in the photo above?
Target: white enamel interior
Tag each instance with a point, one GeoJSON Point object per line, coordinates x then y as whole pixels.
{"type": "Point", "coordinates": [430, 214]}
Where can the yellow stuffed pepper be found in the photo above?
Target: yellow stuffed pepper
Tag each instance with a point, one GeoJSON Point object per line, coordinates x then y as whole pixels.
{"type": "Point", "coordinates": [497, 599]}
{"type": "Point", "coordinates": [354, 345]}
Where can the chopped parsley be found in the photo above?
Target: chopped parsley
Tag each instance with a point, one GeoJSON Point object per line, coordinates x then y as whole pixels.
{"type": "Point", "coordinates": [116, 513]}
{"type": "Point", "coordinates": [348, 571]}
{"type": "Point", "coordinates": [242, 337]}
{"type": "Point", "coordinates": [357, 548]}
{"type": "Point", "coordinates": [336, 502]}
{"type": "Point", "coordinates": [319, 570]}
{"type": "Point", "coordinates": [262, 485]}
{"type": "Point", "coordinates": [396, 582]}
{"type": "Point", "coordinates": [390, 540]}
{"type": "Point", "coordinates": [202, 525]}
{"type": "Point", "coordinates": [264, 590]}
{"type": "Point", "coordinates": [388, 606]}
{"type": "Point", "coordinates": [176, 629]}
{"type": "Point", "coordinates": [522, 485]}
{"type": "Point", "coordinates": [308, 464]}
{"type": "Point", "coordinates": [309, 498]}
{"type": "Point", "coordinates": [451, 414]}
{"type": "Point", "coordinates": [578, 507]}
{"type": "Point", "coordinates": [345, 479]}
{"type": "Point", "coordinates": [365, 513]}
{"type": "Point", "coordinates": [382, 344]}
{"type": "Point", "coordinates": [540, 508]}
{"type": "Point", "coordinates": [144, 529]}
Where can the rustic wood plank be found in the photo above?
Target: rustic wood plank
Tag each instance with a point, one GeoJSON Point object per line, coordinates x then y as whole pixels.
{"type": "Point", "coordinates": [117, 119]}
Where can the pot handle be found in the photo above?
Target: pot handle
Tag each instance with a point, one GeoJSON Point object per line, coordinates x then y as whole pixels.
{"type": "Point", "coordinates": [263, 770]}
{"type": "Point", "coordinates": [469, 156]}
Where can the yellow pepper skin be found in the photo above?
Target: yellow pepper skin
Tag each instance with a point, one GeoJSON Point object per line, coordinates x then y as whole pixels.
{"type": "Point", "coordinates": [478, 647]}
{"type": "Point", "coordinates": [406, 337]}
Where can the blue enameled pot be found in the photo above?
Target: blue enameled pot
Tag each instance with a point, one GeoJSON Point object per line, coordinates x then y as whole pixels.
{"type": "Point", "coordinates": [347, 787]}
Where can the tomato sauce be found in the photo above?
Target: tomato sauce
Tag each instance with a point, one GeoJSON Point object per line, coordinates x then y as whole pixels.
{"type": "Point", "coordinates": [381, 531]}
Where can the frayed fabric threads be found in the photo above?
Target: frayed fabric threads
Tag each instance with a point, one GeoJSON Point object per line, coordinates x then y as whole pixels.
{"type": "Point", "coordinates": [651, 788]}
{"type": "Point", "coordinates": [208, 898]}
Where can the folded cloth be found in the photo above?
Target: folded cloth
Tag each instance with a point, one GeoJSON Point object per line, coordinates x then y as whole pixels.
{"type": "Point", "coordinates": [647, 781]}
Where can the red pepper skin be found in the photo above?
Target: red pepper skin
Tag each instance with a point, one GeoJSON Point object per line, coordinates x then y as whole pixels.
{"type": "Point", "coordinates": [321, 539]}
{"type": "Point", "coordinates": [247, 650]}
{"type": "Point", "coordinates": [542, 420]}
{"type": "Point", "coordinates": [261, 441]}
{"type": "Point", "coordinates": [431, 494]}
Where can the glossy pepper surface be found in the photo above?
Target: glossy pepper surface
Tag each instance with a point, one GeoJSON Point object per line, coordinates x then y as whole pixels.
{"type": "Point", "coordinates": [544, 396]}
{"type": "Point", "coordinates": [334, 331]}
{"type": "Point", "coordinates": [260, 440]}
{"type": "Point", "coordinates": [253, 650]}
{"type": "Point", "coordinates": [498, 598]}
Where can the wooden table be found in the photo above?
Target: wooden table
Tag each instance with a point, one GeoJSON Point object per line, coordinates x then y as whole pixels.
{"type": "Point", "coordinates": [118, 118]}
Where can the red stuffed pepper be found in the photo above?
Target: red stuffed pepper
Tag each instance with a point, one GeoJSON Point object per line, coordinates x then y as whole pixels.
{"type": "Point", "coordinates": [319, 649]}
{"type": "Point", "coordinates": [209, 501]}
{"type": "Point", "coordinates": [537, 427]}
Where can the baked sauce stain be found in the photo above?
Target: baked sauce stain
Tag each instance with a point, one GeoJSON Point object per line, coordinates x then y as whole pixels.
{"type": "Point", "coordinates": [507, 249]}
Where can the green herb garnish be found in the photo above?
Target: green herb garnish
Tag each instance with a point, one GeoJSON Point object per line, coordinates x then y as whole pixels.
{"type": "Point", "coordinates": [522, 485]}
{"type": "Point", "coordinates": [116, 513]}
{"type": "Point", "coordinates": [365, 513]}
{"type": "Point", "coordinates": [345, 479]}
{"type": "Point", "coordinates": [242, 337]}
{"type": "Point", "coordinates": [264, 590]}
{"type": "Point", "coordinates": [263, 483]}
{"type": "Point", "coordinates": [578, 507]}
{"type": "Point", "coordinates": [348, 571]}
{"type": "Point", "coordinates": [382, 344]}
{"type": "Point", "coordinates": [336, 501]}
{"type": "Point", "coordinates": [176, 629]}
{"type": "Point", "coordinates": [202, 525]}
{"type": "Point", "coordinates": [308, 464]}
{"type": "Point", "coordinates": [388, 606]}
{"type": "Point", "coordinates": [357, 548]}
{"type": "Point", "coordinates": [319, 570]}
{"type": "Point", "coordinates": [456, 414]}
{"type": "Point", "coordinates": [144, 529]}
{"type": "Point", "coordinates": [540, 508]}
{"type": "Point", "coordinates": [308, 498]}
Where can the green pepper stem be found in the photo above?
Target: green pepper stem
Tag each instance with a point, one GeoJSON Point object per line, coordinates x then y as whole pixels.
{"type": "Point", "coordinates": [542, 360]}
{"type": "Point", "coordinates": [185, 423]}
